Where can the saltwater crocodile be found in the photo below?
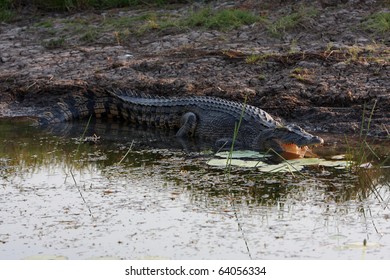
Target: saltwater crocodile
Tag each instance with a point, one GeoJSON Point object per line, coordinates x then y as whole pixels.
{"type": "Point", "coordinates": [210, 118]}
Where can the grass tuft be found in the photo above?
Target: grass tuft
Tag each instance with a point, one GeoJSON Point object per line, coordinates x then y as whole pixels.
{"type": "Point", "coordinates": [378, 23]}
{"type": "Point", "coordinates": [364, 153]}
{"type": "Point", "coordinates": [6, 13]}
{"type": "Point", "coordinates": [225, 19]}
{"type": "Point", "coordinates": [291, 21]}
{"type": "Point", "coordinates": [54, 43]}
{"type": "Point", "coordinates": [301, 74]}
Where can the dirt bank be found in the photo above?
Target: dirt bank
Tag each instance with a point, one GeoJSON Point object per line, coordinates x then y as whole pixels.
{"type": "Point", "coordinates": [320, 71]}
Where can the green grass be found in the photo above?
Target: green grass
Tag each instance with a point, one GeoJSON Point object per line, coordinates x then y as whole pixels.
{"type": "Point", "coordinates": [6, 12]}
{"type": "Point", "coordinates": [225, 19]}
{"type": "Point", "coordinates": [378, 23]}
{"type": "Point", "coordinates": [128, 22]}
{"type": "Point", "coordinates": [301, 74]}
{"type": "Point", "coordinates": [45, 24]}
{"type": "Point", "coordinates": [6, 15]}
{"type": "Point", "coordinates": [90, 35]}
{"type": "Point", "coordinates": [291, 21]}
{"type": "Point", "coordinates": [54, 43]}
{"type": "Point", "coordinates": [207, 18]}
{"type": "Point", "coordinates": [140, 24]}
{"type": "Point", "coordinates": [363, 153]}
{"type": "Point", "coordinates": [368, 162]}
{"type": "Point", "coordinates": [257, 58]}
{"type": "Point", "coordinates": [237, 125]}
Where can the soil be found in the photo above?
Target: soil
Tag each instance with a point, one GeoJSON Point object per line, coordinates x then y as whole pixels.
{"type": "Point", "coordinates": [327, 73]}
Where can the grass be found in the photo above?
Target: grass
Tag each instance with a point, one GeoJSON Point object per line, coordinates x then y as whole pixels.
{"type": "Point", "coordinates": [364, 153]}
{"type": "Point", "coordinates": [45, 24]}
{"type": "Point", "coordinates": [90, 35]}
{"type": "Point", "coordinates": [128, 151]}
{"type": "Point", "coordinates": [374, 53]}
{"type": "Point", "coordinates": [256, 58]}
{"type": "Point", "coordinates": [225, 19]}
{"type": "Point", "coordinates": [378, 23]}
{"type": "Point", "coordinates": [369, 166]}
{"type": "Point", "coordinates": [128, 22]}
{"type": "Point", "coordinates": [235, 134]}
{"type": "Point", "coordinates": [301, 74]}
{"type": "Point", "coordinates": [291, 21]}
{"type": "Point", "coordinates": [6, 12]}
{"type": "Point", "coordinates": [54, 43]}
{"type": "Point", "coordinates": [228, 171]}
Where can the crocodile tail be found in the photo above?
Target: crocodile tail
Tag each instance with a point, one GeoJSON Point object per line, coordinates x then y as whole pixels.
{"type": "Point", "coordinates": [80, 106]}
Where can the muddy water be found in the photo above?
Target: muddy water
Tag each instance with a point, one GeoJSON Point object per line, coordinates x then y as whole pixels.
{"type": "Point", "coordinates": [66, 198]}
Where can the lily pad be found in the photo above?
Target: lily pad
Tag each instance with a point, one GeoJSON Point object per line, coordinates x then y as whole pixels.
{"type": "Point", "coordinates": [251, 159]}
{"type": "Point", "coordinates": [338, 157]}
{"type": "Point", "coordinates": [281, 167]}
{"type": "Point", "coordinates": [339, 164]}
{"type": "Point", "coordinates": [242, 154]}
{"type": "Point", "coordinates": [221, 162]}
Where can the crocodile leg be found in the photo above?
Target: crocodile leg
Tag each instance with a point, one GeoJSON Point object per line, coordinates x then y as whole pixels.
{"type": "Point", "coordinates": [188, 124]}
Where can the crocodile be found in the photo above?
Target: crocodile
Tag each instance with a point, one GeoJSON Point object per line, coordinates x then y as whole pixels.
{"type": "Point", "coordinates": [211, 118]}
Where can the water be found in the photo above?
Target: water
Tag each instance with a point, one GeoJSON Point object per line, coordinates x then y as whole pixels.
{"type": "Point", "coordinates": [62, 198]}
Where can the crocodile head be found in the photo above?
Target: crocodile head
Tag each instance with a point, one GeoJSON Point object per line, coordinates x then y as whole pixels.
{"type": "Point", "coordinates": [290, 139]}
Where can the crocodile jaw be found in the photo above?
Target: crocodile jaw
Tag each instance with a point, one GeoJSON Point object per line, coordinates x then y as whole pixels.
{"type": "Point", "coordinates": [290, 140]}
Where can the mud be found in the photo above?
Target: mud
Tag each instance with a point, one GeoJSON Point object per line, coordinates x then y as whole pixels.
{"type": "Point", "coordinates": [327, 74]}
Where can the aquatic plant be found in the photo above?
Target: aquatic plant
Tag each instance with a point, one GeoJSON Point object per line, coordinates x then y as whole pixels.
{"type": "Point", "coordinates": [235, 134]}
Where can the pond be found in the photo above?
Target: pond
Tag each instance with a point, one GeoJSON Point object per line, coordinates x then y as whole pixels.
{"type": "Point", "coordinates": [111, 191]}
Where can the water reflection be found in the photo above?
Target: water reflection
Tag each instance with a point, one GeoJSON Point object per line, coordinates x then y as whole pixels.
{"type": "Point", "coordinates": [26, 149]}
{"type": "Point", "coordinates": [59, 191]}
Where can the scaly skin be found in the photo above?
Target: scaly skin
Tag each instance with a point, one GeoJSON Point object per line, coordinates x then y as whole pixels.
{"type": "Point", "coordinates": [204, 117]}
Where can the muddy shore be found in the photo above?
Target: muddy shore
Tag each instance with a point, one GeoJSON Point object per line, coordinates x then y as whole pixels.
{"type": "Point", "coordinates": [326, 73]}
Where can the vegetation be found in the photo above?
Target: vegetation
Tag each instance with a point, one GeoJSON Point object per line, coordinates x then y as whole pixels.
{"type": "Point", "coordinates": [369, 162]}
{"type": "Point", "coordinates": [256, 58]}
{"type": "Point", "coordinates": [90, 29]}
{"type": "Point", "coordinates": [291, 21]}
{"type": "Point", "coordinates": [222, 19]}
{"type": "Point", "coordinates": [301, 74]}
{"type": "Point", "coordinates": [54, 43]}
{"type": "Point", "coordinates": [5, 10]}
{"type": "Point", "coordinates": [378, 23]}
{"type": "Point", "coordinates": [364, 153]}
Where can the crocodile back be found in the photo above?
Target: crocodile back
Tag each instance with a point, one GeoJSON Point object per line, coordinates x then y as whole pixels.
{"type": "Point", "coordinates": [201, 105]}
